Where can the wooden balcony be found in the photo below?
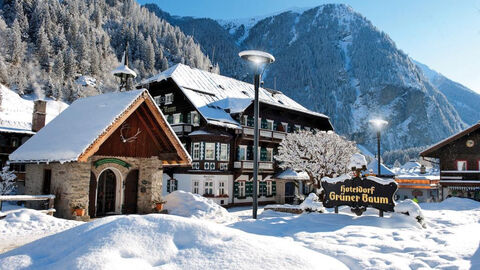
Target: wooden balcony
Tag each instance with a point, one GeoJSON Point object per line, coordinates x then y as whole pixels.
{"type": "Point", "coordinates": [265, 134]}
{"type": "Point", "coordinates": [460, 175]}
{"type": "Point", "coordinates": [181, 129]}
{"type": "Point", "coordinates": [247, 165]}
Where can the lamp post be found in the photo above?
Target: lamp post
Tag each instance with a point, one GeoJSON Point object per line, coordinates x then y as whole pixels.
{"type": "Point", "coordinates": [260, 59]}
{"type": "Point", "coordinates": [378, 124]}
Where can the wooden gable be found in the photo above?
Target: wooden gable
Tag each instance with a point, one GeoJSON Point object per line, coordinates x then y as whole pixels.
{"type": "Point", "coordinates": [141, 132]}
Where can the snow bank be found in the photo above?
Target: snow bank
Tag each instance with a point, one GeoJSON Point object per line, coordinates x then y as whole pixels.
{"type": "Point", "coordinates": [165, 242]}
{"type": "Point", "coordinates": [412, 209]}
{"type": "Point", "coordinates": [186, 204]}
{"type": "Point", "coordinates": [357, 161]}
{"type": "Point", "coordinates": [311, 204]}
{"type": "Point", "coordinates": [453, 203]}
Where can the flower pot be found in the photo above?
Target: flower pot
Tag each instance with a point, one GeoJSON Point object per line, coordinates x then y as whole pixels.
{"type": "Point", "coordinates": [79, 212]}
{"type": "Point", "coordinates": [159, 206]}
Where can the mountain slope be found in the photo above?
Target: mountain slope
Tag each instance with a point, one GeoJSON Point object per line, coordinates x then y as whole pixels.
{"type": "Point", "coordinates": [462, 98]}
{"type": "Point", "coordinates": [46, 44]}
{"type": "Point", "coordinates": [333, 60]}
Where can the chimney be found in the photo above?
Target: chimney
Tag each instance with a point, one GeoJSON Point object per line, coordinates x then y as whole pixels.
{"type": "Point", "coordinates": [39, 114]}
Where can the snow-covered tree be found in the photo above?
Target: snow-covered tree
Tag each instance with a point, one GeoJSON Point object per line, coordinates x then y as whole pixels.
{"type": "Point", "coordinates": [7, 181]}
{"type": "Point", "coordinates": [318, 153]}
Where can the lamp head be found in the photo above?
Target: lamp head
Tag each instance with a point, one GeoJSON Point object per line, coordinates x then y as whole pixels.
{"type": "Point", "coordinates": [257, 57]}
{"type": "Point", "coordinates": [378, 123]}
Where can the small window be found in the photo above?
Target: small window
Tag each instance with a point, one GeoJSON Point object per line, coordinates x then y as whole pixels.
{"type": "Point", "coordinates": [47, 181]}
{"type": "Point", "coordinates": [269, 188]}
{"type": "Point", "coordinates": [297, 127]}
{"type": "Point", "coordinates": [269, 156]}
{"type": "Point", "coordinates": [173, 185]}
{"type": "Point", "coordinates": [461, 165]}
{"type": "Point", "coordinates": [14, 142]}
{"type": "Point", "coordinates": [224, 152]}
{"type": "Point", "coordinates": [209, 188]}
{"type": "Point", "coordinates": [194, 118]}
{"type": "Point", "coordinates": [285, 127]}
{"type": "Point", "coordinates": [196, 186]}
{"type": "Point", "coordinates": [221, 188]}
{"type": "Point", "coordinates": [157, 100]}
{"type": "Point", "coordinates": [169, 99]}
{"type": "Point", "coordinates": [196, 151]}
{"type": "Point", "coordinates": [210, 151]}
{"type": "Point", "coordinates": [177, 118]}
{"type": "Point", "coordinates": [245, 120]}
{"type": "Point", "coordinates": [241, 189]}
{"type": "Point", "coordinates": [269, 124]}
{"type": "Point", "coordinates": [242, 152]}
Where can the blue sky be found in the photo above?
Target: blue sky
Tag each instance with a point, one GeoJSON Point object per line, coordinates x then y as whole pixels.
{"type": "Point", "coordinates": [443, 34]}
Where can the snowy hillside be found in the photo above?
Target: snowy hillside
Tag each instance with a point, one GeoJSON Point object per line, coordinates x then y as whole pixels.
{"type": "Point", "coordinates": [463, 99]}
{"type": "Point", "coordinates": [332, 60]}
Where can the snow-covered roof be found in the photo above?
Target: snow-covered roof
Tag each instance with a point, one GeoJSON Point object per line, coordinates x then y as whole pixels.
{"type": "Point", "coordinates": [357, 160]}
{"type": "Point", "coordinates": [123, 68]}
{"type": "Point", "coordinates": [412, 164]}
{"type": "Point", "coordinates": [16, 112]}
{"type": "Point", "coordinates": [290, 174]}
{"type": "Point", "coordinates": [212, 94]}
{"type": "Point", "coordinates": [383, 169]}
{"type": "Point", "coordinates": [68, 136]}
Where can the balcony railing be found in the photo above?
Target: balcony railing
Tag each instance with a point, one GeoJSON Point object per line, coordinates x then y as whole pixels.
{"type": "Point", "coordinates": [182, 128]}
{"type": "Point", "coordinates": [248, 165]}
{"type": "Point", "coordinates": [264, 133]}
{"type": "Point", "coordinates": [460, 175]}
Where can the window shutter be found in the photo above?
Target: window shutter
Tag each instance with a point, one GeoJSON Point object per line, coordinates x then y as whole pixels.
{"type": "Point", "coordinates": [176, 185]}
{"type": "Point", "coordinates": [181, 118]}
{"type": "Point", "coordinates": [168, 185]}
{"type": "Point", "coordinates": [263, 154]}
{"type": "Point", "coordinates": [228, 152]}
{"type": "Point", "coordinates": [275, 125]}
{"type": "Point", "coordinates": [170, 118]}
{"type": "Point", "coordinates": [217, 151]}
{"type": "Point", "coordinates": [202, 150]}
{"type": "Point", "coordinates": [274, 188]}
{"type": "Point", "coordinates": [250, 152]}
{"type": "Point", "coordinates": [248, 189]}
{"type": "Point", "coordinates": [189, 118]}
{"type": "Point", "coordinates": [235, 189]}
{"type": "Point", "coordinates": [263, 123]}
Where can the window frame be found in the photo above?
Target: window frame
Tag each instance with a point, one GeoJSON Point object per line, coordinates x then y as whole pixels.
{"type": "Point", "coordinates": [194, 114]}
{"type": "Point", "coordinates": [196, 151]}
{"type": "Point", "coordinates": [213, 151]}
{"type": "Point", "coordinates": [168, 98]}
{"type": "Point", "coordinates": [461, 160]}
{"type": "Point", "coordinates": [196, 187]}
{"type": "Point", "coordinates": [241, 189]}
{"type": "Point", "coordinates": [208, 188]}
{"type": "Point", "coordinates": [177, 116]}
{"type": "Point", "coordinates": [223, 147]}
{"type": "Point", "coordinates": [221, 188]}
{"type": "Point", "coordinates": [244, 147]}
{"type": "Point", "coordinates": [269, 188]}
{"type": "Point", "coordinates": [270, 123]}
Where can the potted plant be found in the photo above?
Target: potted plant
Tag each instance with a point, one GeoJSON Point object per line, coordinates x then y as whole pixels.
{"type": "Point", "coordinates": [79, 210]}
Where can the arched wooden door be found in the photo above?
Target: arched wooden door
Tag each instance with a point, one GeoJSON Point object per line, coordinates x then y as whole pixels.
{"type": "Point", "coordinates": [131, 189]}
{"type": "Point", "coordinates": [92, 195]}
{"type": "Point", "coordinates": [106, 193]}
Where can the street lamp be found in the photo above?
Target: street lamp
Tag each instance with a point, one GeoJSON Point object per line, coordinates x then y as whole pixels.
{"type": "Point", "coordinates": [260, 59]}
{"type": "Point", "coordinates": [378, 124]}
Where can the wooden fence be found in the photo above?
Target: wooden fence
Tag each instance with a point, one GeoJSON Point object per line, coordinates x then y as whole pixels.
{"type": "Point", "coordinates": [50, 199]}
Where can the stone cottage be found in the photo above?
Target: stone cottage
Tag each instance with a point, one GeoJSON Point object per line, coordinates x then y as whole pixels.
{"type": "Point", "coordinates": [105, 154]}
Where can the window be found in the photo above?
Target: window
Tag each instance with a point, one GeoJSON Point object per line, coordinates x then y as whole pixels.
{"type": "Point", "coordinates": [285, 126]}
{"type": "Point", "coordinates": [242, 152]}
{"type": "Point", "coordinates": [224, 152]}
{"type": "Point", "coordinates": [194, 118]}
{"type": "Point", "coordinates": [269, 124]}
{"type": "Point", "coordinates": [221, 188]}
{"type": "Point", "coordinates": [209, 188]}
{"type": "Point", "coordinates": [461, 165]}
{"type": "Point", "coordinates": [169, 99]}
{"type": "Point", "coordinates": [47, 181]}
{"type": "Point", "coordinates": [157, 100]}
{"type": "Point", "coordinates": [241, 189]}
{"type": "Point", "coordinates": [196, 151]}
{"type": "Point", "coordinates": [196, 186]}
{"type": "Point", "coordinates": [210, 151]}
{"type": "Point", "coordinates": [172, 185]}
{"type": "Point", "coordinates": [209, 165]}
{"type": "Point", "coordinates": [195, 165]}
{"type": "Point", "coordinates": [269, 188]}
{"type": "Point", "coordinates": [245, 120]}
{"type": "Point", "coordinates": [223, 166]}
{"type": "Point", "coordinates": [177, 118]}
{"type": "Point", "coordinates": [269, 156]}
{"type": "Point", "coordinates": [297, 127]}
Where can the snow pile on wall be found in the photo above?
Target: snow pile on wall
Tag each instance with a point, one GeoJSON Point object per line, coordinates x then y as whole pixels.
{"type": "Point", "coordinates": [163, 242]}
{"type": "Point", "coordinates": [357, 161]}
{"type": "Point", "coordinates": [412, 209]}
{"type": "Point", "coordinates": [186, 204]}
{"type": "Point", "coordinates": [311, 204]}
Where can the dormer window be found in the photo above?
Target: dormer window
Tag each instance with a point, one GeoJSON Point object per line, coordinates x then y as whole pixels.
{"type": "Point", "coordinates": [169, 99]}
{"type": "Point", "coordinates": [177, 118]}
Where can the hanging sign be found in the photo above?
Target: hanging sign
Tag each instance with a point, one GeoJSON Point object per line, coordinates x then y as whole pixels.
{"type": "Point", "coordinates": [111, 160]}
{"type": "Point", "coordinates": [360, 193]}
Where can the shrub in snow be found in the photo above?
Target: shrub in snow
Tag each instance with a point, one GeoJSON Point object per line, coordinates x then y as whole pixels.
{"type": "Point", "coordinates": [186, 204]}
{"type": "Point", "coordinates": [312, 204]}
{"type": "Point", "coordinates": [411, 208]}
{"type": "Point", "coordinates": [318, 153]}
{"type": "Point", "coordinates": [7, 181]}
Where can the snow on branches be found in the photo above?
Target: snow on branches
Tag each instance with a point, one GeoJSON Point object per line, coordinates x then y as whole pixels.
{"type": "Point", "coordinates": [317, 153]}
{"type": "Point", "coordinates": [7, 181]}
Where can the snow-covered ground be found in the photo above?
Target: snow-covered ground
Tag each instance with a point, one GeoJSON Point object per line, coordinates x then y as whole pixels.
{"type": "Point", "coordinates": [275, 240]}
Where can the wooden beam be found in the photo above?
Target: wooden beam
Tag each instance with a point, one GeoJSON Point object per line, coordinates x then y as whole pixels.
{"type": "Point", "coordinates": [148, 130]}
{"type": "Point", "coordinates": [160, 133]}
{"type": "Point", "coordinates": [90, 151]}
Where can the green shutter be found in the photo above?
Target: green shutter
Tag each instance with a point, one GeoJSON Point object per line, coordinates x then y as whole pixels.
{"type": "Point", "coordinates": [263, 154]}
{"type": "Point", "coordinates": [235, 189]}
{"type": "Point", "coordinates": [250, 152]}
{"type": "Point", "coordinates": [181, 118]}
{"type": "Point", "coordinates": [263, 123]}
{"type": "Point", "coordinates": [176, 185]}
{"type": "Point", "coordinates": [168, 186]}
{"type": "Point", "coordinates": [169, 118]}
{"type": "Point", "coordinates": [262, 189]}
{"type": "Point", "coordinates": [275, 125]}
{"type": "Point", "coordinates": [248, 189]}
{"type": "Point", "coordinates": [202, 150]}
{"type": "Point", "coordinates": [250, 121]}
{"type": "Point", "coordinates": [274, 188]}
{"type": "Point", "coordinates": [217, 151]}
{"type": "Point", "coordinates": [189, 118]}
{"type": "Point", "coordinates": [228, 151]}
